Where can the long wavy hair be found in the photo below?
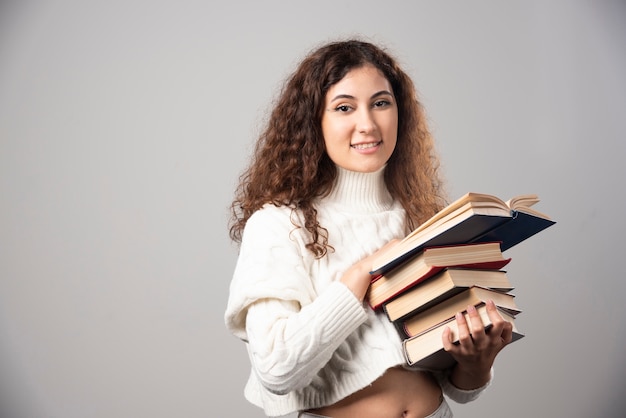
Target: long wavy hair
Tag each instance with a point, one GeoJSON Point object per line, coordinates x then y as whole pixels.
{"type": "Point", "coordinates": [290, 166]}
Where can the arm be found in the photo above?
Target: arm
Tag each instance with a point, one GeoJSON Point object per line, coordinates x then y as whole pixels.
{"type": "Point", "coordinates": [293, 322]}
{"type": "Point", "coordinates": [288, 345]}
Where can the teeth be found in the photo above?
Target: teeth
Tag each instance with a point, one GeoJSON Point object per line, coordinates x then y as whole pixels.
{"type": "Point", "coordinates": [365, 146]}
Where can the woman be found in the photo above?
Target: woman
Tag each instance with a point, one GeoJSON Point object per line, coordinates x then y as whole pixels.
{"type": "Point", "coordinates": [345, 166]}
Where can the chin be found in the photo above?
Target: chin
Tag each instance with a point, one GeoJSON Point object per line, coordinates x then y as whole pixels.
{"type": "Point", "coordinates": [366, 169]}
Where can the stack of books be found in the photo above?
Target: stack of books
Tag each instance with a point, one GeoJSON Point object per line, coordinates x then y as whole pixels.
{"type": "Point", "coordinates": [453, 260]}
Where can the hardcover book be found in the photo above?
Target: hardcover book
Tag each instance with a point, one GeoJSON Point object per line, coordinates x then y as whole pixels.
{"type": "Point", "coordinates": [425, 351]}
{"type": "Point", "coordinates": [429, 262]}
{"type": "Point", "coordinates": [474, 217]}
{"type": "Point", "coordinates": [444, 285]}
{"type": "Point", "coordinates": [421, 321]}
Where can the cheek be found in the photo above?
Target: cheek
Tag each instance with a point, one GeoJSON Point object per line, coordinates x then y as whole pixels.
{"type": "Point", "coordinates": [393, 128]}
{"type": "Point", "coordinates": [335, 131]}
{"type": "Point", "coordinates": [326, 129]}
{"type": "Point", "coordinates": [390, 133]}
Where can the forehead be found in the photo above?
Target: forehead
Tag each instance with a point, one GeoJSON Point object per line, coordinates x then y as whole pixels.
{"type": "Point", "coordinates": [360, 80]}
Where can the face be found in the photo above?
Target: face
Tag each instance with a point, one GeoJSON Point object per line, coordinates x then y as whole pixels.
{"type": "Point", "coordinates": [360, 121]}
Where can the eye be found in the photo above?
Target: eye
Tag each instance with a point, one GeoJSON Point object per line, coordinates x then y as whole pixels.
{"type": "Point", "coordinates": [343, 108]}
{"type": "Point", "coordinates": [381, 103]}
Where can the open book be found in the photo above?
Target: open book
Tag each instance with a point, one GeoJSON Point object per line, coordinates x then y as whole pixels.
{"type": "Point", "coordinates": [474, 217]}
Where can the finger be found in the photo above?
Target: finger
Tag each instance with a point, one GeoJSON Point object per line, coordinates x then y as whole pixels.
{"type": "Point", "coordinates": [446, 338]}
{"type": "Point", "coordinates": [500, 327]}
{"type": "Point", "coordinates": [507, 333]}
{"type": "Point", "coordinates": [493, 313]}
{"type": "Point", "coordinates": [465, 337]}
{"type": "Point", "coordinates": [476, 326]}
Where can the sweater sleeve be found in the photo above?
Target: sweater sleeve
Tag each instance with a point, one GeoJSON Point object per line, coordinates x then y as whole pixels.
{"type": "Point", "coordinates": [460, 395]}
{"type": "Point", "coordinates": [291, 327]}
{"type": "Point", "coordinates": [288, 346]}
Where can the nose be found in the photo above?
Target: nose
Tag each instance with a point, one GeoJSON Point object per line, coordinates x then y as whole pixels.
{"type": "Point", "coordinates": [365, 122]}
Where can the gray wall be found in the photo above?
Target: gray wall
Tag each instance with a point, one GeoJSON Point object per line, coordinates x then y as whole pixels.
{"type": "Point", "coordinates": [124, 125]}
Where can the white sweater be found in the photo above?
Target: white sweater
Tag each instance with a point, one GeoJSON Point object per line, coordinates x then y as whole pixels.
{"type": "Point", "coordinates": [309, 339]}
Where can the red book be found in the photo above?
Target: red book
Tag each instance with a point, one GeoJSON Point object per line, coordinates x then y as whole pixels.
{"type": "Point", "coordinates": [429, 262]}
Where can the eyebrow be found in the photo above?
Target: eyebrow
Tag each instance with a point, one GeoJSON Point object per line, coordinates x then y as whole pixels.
{"type": "Point", "coordinates": [377, 94]}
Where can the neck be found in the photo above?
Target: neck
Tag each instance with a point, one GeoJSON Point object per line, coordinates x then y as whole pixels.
{"type": "Point", "coordinates": [361, 191]}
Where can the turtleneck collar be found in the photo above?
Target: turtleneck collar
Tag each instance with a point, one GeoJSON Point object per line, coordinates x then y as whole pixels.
{"type": "Point", "coordinates": [361, 192]}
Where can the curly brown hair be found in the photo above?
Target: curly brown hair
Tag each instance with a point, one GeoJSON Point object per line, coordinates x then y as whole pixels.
{"type": "Point", "coordinates": [290, 166]}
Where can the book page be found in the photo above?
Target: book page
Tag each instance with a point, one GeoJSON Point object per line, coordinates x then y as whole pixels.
{"type": "Point", "coordinates": [523, 203]}
{"type": "Point", "coordinates": [459, 206]}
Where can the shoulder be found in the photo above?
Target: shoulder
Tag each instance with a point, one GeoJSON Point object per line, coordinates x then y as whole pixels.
{"type": "Point", "coordinates": [271, 213]}
{"type": "Point", "coordinates": [273, 226]}
{"type": "Point", "coordinates": [271, 218]}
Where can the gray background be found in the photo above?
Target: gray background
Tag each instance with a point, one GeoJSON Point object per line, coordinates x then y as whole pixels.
{"type": "Point", "coordinates": [124, 126]}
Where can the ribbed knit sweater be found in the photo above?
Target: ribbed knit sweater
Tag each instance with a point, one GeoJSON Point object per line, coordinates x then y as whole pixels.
{"type": "Point", "coordinates": [310, 341]}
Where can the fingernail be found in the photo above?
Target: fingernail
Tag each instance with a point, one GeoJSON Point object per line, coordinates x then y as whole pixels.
{"type": "Point", "coordinates": [471, 308]}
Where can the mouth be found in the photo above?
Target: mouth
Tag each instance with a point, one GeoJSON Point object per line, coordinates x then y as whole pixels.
{"type": "Point", "coordinates": [366, 145]}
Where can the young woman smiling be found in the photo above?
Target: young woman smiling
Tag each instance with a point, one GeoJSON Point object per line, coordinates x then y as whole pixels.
{"type": "Point", "coordinates": [345, 167]}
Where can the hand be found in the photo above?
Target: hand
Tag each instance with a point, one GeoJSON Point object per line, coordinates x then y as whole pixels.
{"type": "Point", "coordinates": [477, 348]}
{"type": "Point", "coordinates": [358, 278]}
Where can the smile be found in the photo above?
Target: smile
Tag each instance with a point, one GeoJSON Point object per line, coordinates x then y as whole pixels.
{"type": "Point", "coordinates": [366, 146]}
